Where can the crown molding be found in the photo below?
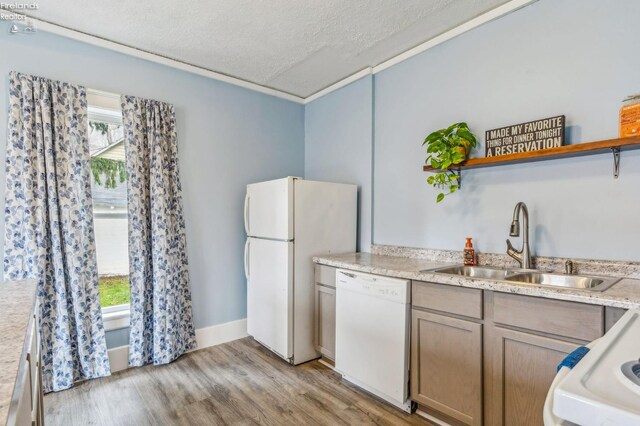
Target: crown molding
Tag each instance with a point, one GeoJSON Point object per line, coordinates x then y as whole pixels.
{"type": "Point", "coordinates": [493, 14]}
{"type": "Point", "coordinates": [484, 18]}
{"type": "Point", "coordinates": [335, 86]}
{"type": "Point", "coordinates": [48, 27]}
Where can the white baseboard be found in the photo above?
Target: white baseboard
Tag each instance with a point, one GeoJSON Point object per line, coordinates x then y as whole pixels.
{"type": "Point", "coordinates": [326, 364]}
{"type": "Point", "coordinates": [205, 337]}
{"type": "Point", "coordinates": [221, 333]}
{"type": "Point", "coordinates": [119, 358]}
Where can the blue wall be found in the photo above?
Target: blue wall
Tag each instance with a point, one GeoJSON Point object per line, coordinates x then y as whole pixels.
{"type": "Point", "coordinates": [574, 57]}
{"type": "Point", "coordinates": [228, 137]}
{"type": "Point", "coordinates": [338, 132]}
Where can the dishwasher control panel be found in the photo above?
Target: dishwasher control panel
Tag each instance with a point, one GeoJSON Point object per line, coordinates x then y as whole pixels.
{"type": "Point", "coordinates": [393, 289]}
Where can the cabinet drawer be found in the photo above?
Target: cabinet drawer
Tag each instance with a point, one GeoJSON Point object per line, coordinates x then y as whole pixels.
{"type": "Point", "coordinates": [326, 275]}
{"type": "Point", "coordinates": [447, 298]}
{"type": "Point", "coordinates": [568, 319]}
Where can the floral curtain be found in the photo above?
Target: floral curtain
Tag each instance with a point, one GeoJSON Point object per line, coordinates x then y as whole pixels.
{"type": "Point", "coordinates": [161, 319]}
{"type": "Point", "coordinates": [49, 225]}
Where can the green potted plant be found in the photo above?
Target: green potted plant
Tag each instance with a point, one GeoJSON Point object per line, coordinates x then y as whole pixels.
{"type": "Point", "coordinates": [445, 148]}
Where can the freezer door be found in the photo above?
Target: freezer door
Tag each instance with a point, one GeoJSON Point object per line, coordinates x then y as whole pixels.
{"type": "Point", "coordinates": [268, 211]}
{"type": "Point", "coordinates": [270, 294]}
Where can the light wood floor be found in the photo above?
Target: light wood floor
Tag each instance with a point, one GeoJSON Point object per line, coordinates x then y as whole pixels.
{"type": "Point", "coordinates": [238, 383]}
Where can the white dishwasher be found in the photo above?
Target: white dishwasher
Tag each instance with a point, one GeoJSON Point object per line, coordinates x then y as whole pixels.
{"type": "Point", "coordinates": [372, 334]}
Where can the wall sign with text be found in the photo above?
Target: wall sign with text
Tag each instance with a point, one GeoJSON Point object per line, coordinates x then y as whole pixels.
{"type": "Point", "coordinates": [525, 137]}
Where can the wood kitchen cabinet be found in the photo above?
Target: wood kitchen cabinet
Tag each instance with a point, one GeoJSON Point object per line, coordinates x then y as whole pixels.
{"type": "Point", "coordinates": [446, 365]}
{"type": "Point", "coordinates": [325, 311]}
{"type": "Point", "coordinates": [611, 316]}
{"type": "Point", "coordinates": [525, 339]}
{"type": "Point", "coordinates": [480, 357]}
{"type": "Point", "coordinates": [27, 407]}
{"type": "Point", "coordinates": [522, 368]}
{"type": "Point", "coordinates": [326, 321]}
{"type": "Point", "coordinates": [483, 357]}
{"type": "Point", "coordinates": [446, 352]}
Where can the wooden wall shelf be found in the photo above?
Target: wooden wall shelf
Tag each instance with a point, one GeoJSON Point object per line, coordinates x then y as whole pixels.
{"type": "Point", "coordinates": [577, 150]}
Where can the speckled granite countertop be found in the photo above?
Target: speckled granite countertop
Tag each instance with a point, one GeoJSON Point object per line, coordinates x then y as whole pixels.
{"type": "Point", "coordinates": [16, 304]}
{"type": "Point", "coordinates": [624, 294]}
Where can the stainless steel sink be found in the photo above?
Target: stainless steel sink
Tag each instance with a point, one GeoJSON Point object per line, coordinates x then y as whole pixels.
{"type": "Point", "coordinates": [530, 277]}
{"type": "Point", "coordinates": [560, 280]}
{"type": "Point", "coordinates": [475, 272]}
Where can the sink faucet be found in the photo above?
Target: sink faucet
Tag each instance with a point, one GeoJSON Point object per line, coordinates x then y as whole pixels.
{"type": "Point", "coordinates": [523, 256]}
{"type": "Point", "coordinates": [569, 267]}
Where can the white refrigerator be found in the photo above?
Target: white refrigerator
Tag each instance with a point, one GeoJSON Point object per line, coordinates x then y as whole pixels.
{"type": "Point", "coordinates": [288, 221]}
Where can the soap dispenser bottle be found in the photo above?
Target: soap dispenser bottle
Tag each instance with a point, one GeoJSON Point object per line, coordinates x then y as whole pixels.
{"type": "Point", "coordinates": [469, 254]}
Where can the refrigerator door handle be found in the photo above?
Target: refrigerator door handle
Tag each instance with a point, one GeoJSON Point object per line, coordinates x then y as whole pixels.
{"type": "Point", "coordinates": [246, 259]}
{"type": "Point", "coordinates": [246, 213]}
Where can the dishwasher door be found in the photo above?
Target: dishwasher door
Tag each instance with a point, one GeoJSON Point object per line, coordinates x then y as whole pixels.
{"type": "Point", "coordinates": [372, 334]}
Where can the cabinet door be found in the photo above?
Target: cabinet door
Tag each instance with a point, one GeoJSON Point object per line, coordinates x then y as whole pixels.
{"type": "Point", "coordinates": [520, 369]}
{"type": "Point", "coordinates": [326, 321]}
{"type": "Point", "coordinates": [37, 416]}
{"type": "Point", "coordinates": [24, 409]}
{"type": "Point", "coordinates": [34, 362]}
{"type": "Point", "coordinates": [446, 365]}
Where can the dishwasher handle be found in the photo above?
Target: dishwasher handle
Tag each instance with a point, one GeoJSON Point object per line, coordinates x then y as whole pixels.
{"type": "Point", "coordinates": [348, 274]}
{"type": "Point", "coordinates": [392, 289]}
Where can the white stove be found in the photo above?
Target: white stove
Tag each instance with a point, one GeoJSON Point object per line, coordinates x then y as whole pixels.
{"type": "Point", "coordinates": [604, 387]}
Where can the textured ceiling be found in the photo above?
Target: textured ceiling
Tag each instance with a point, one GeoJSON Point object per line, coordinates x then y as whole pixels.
{"type": "Point", "coordinates": [296, 46]}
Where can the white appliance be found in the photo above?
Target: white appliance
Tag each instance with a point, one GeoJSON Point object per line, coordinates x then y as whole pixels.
{"type": "Point", "coordinates": [604, 387]}
{"type": "Point", "coordinates": [288, 221]}
{"type": "Point", "coordinates": [372, 334]}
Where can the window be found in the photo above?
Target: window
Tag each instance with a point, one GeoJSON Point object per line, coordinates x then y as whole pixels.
{"type": "Point", "coordinates": [109, 193]}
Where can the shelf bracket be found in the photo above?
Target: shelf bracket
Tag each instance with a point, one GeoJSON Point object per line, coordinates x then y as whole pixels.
{"type": "Point", "coordinates": [458, 172]}
{"type": "Point", "coordinates": [616, 162]}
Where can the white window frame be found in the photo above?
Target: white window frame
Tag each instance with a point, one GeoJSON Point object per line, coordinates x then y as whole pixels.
{"type": "Point", "coordinates": [116, 317]}
{"type": "Point", "coordinates": [105, 107]}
